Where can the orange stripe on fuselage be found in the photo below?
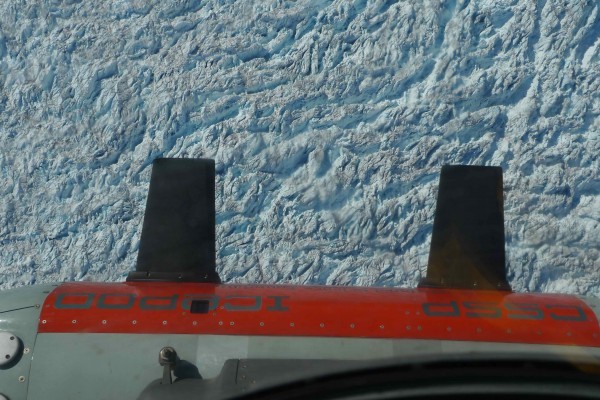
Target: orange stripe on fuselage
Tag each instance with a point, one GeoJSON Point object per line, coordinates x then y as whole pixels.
{"type": "Point", "coordinates": [328, 311]}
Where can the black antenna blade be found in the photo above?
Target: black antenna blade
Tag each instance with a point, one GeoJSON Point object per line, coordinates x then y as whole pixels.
{"type": "Point", "coordinates": [467, 245]}
{"type": "Point", "coordinates": [178, 235]}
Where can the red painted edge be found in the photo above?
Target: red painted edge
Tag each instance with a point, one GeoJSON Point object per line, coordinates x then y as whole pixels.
{"type": "Point", "coordinates": [326, 311]}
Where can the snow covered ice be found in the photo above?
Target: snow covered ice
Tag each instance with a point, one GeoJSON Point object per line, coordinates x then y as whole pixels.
{"type": "Point", "coordinates": [328, 121]}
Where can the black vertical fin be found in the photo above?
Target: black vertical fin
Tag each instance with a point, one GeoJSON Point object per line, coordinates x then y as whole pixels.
{"type": "Point", "coordinates": [467, 246]}
{"type": "Point", "coordinates": [178, 235]}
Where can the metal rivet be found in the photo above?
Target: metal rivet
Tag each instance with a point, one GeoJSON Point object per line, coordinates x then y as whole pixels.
{"type": "Point", "coordinates": [12, 338]}
{"type": "Point", "coordinates": [381, 326]}
{"type": "Point", "coordinates": [7, 356]}
{"type": "Point", "coordinates": [74, 321]}
{"type": "Point", "coordinates": [232, 323]}
{"type": "Point", "coordinates": [291, 324]}
{"type": "Point", "coordinates": [220, 322]}
{"type": "Point", "coordinates": [164, 322]}
{"type": "Point", "coordinates": [43, 321]}
{"type": "Point", "coordinates": [26, 350]}
{"type": "Point", "coordinates": [21, 378]}
{"type": "Point", "coordinates": [103, 322]}
{"type": "Point", "coordinates": [195, 323]}
{"type": "Point", "coordinates": [134, 322]}
{"type": "Point", "coordinates": [408, 327]}
{"type": "Point", "coordinates": [262, 324]}
{"type": "Point", "coordinates": [352, 326]}
{"type": "Point", "coordinates": [322, 325]}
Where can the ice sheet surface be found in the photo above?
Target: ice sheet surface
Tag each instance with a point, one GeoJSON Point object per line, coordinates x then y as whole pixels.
{"type": "Point", "coordinates": [328, 121]}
